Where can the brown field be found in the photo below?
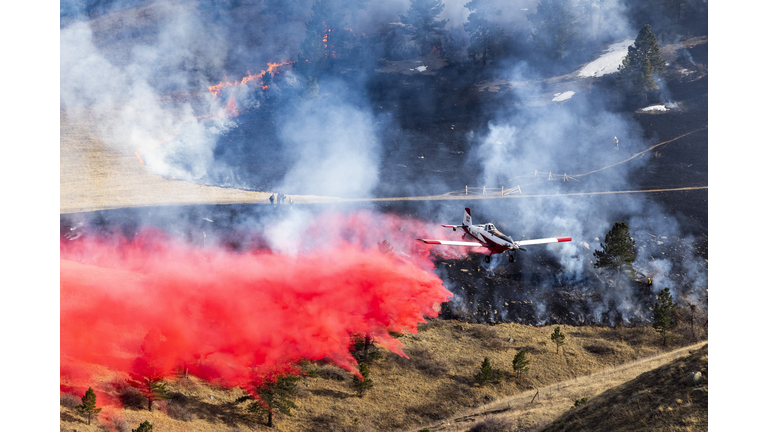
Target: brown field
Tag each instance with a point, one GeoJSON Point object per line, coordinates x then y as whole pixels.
{"type": "Point", "coordinates": [434, 388]}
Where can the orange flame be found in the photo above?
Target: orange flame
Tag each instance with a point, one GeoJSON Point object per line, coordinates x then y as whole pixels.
{"type": "Point", "coordinates": [271, 68]}
{"type": "Point", "coordinates": [231, 108]}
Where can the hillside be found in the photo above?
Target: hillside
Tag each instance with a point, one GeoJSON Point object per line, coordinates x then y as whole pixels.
{"type": "Point", "coordinates": [673, 397]}
{"type": "Point", "coordinates": [428, 389]}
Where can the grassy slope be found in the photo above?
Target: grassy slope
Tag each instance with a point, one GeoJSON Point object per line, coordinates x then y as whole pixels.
{"type": "Point", "coordinates": [427, 389]}
{"type": "Point", "coordinates": [662, 399]}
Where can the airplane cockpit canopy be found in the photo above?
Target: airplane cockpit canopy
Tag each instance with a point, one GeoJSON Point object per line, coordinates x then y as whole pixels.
{"type": "Point", "coordinates": [492, 229]}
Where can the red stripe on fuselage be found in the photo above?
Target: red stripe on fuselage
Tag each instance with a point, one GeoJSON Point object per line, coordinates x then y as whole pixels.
{"type": "Point", "coordinates": [563, 239]}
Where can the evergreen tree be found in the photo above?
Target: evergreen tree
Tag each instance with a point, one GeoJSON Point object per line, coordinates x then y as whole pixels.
{"type": "Point", "coordinates": [486, 372]}
{"type": "Point", "coordinates": [484, 36]}
{"type": "Point", "coordinates": [520, 363]}
{"type": "Point", "coordinates": [618, 252]}
{"type": "Point", "coordinates": [422, 25]}
{"type": "Point", "coordinates": [366, 383]}
{"type": "Point", "coordinates": [155, 390]}
{"type": "Point", "coordinates": [146, 426]}
{"type": "Point", "coordinates": [554, 28]}
{"type": "Point", "coordinates": [643, 60]}
{"type": "Point", "coordinates": [277, 396]}
{"type": "Point", "coordinates": [88, 407]}
{"type": "Point", "coordinates": [664, 315]}
{"type": "Point", "coordinates": [558, 338]}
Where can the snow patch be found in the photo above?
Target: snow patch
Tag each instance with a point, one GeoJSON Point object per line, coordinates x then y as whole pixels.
{"type": "Point", "coordinates": [609, 62]}
{"type": "Point", "coordinates": [559, 97]}
{"type": "Point", "coordinates": [655, 108]}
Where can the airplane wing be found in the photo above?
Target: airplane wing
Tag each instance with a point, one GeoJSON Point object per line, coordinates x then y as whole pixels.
{"type": "Point", "coordinates": [451, 243]}
{"type": "Point", "coordinates": [545, 240]}
{"type": "Point", "coordinates": [450, 226]}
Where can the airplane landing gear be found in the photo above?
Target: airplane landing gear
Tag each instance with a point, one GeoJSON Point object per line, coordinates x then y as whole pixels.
{"type": "Point", "coordinates": [487, 259]}
{"type": "Point", "coordinates": [511, 258]}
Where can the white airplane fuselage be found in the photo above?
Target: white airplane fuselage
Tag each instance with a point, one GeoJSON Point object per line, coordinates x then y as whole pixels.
{"type": "Point", "coordinates": [487, 236]}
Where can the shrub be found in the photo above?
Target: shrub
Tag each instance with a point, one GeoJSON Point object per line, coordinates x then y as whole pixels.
{"type": "Point", "coordinates": [144, 427]}
{"type": "Point", "coordinates": [178, 411]}
{"type": "Point", "coordinates": [332, 372]}
{"type": "Point", "coordinates": [581, 401]}
{"type": "Point", "coordinates": [599, 349]}
{"type": "Point", "coordinates": [68, 400]}
{"type": "Point", "coordinates": [422, 359]}
{"type": "Point", "coordinates": [493, 424]}
{"type": "Point", "coordinates": [483, 332]}
{"type": "Point", "coordinates": [132, 398]}
{"type": "Point", "coordinates": [116, 424]}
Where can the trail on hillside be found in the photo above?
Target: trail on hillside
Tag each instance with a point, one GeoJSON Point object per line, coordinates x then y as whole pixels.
{"type": "Point", "coordinates": [546, 403]}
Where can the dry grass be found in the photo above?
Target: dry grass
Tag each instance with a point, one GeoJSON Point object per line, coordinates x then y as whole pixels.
{"type": "Point", "coordinates": [532, 412]}
{"type": "Point", "coordinates": [97, 176]}
{"type": "Point", "coordinates": [432, 386]}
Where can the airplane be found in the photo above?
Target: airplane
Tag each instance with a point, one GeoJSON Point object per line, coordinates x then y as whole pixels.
{"type": "Point", "coordinates": [489, 237]}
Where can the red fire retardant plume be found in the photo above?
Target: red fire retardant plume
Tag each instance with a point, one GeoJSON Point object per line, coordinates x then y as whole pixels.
{"type": "Point", "coordinates": [152, 306]}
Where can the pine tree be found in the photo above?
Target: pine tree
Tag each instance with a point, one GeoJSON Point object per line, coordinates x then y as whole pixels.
{"type": "Point", "coordinates": [366, 383]}
{"type": "Point", "coordinates": [643, 60]}
{"type": "Point", "coordinates": [422, 25]}
{"type": "Point", "coordinates": [146, 426]}
{"type": "Point", "coordinates": [277, 396]}
{"type": "Point", "coordinates": [618, 251]}
{"type": "Point", "coordinates": [88, 407]}
{"type": "Point", "coordinates": [486, 372]}
{"type": "Point", "coordinates": [155, 390]}
{"type": "Point", "coordinates": [558, 338]}
{"type": "Point", "coordinates": [484, 36]}
{"type": "Point", "coordinates": [520, 363]}
{"type": "Point", "coordinates": [664, 315]}
{"type": "Point", "coordinates": [555, 28]}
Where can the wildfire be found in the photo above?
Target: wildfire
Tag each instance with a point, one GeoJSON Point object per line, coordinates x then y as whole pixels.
{"type": "Point", "coordinates": [231, 109]}
{"type": "Point", "coordinates": [271, 68]}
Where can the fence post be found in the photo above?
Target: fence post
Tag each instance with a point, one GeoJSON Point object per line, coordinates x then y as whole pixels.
{"type": "Point", "coordinates": [466, 190]}
{"type": "Point", "coordinates": [483, 190]}
{"type": "Point", "coordinates": [519, 190]}
{"type": "Point", "coordinates": [550, 176]}
{"type": "Point", "coordinates": [502, 194]}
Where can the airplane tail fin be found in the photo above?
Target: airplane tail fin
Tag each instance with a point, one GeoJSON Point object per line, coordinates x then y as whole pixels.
{"type": "Point", "coordinates": [467, 217]}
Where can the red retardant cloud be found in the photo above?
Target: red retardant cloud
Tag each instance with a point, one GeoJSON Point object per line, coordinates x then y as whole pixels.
{"type": "Point", "coordinates": [151, 306]}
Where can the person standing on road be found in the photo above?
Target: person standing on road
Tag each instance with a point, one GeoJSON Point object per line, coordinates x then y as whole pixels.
{"type": "Point", "coordinates": [616, 139]}
{"type": "Point", "coordinates": [272, 199]}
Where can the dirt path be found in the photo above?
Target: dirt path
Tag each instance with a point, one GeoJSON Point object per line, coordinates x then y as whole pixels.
{"type": "Point", "coordinates": [546, 403]}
